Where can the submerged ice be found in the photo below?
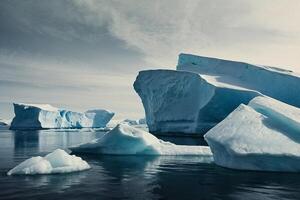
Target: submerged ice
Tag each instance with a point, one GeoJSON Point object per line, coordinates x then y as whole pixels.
{"type": "Point", "coordinates": [263, 135]}
{"type": "Point", "coordinates": [58, 161]}
{"type": "Point", "coordinates": [127, 140]}
{"type": "Point", "coordinates": [46, 116]}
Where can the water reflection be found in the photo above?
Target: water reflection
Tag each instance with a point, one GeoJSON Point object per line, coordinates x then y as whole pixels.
{"type": "Point", "coordinates": [132, 177]}
{"type": "Point", "coordinates": [25, 142]}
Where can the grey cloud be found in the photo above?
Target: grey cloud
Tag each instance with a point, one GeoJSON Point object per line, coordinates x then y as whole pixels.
{"type": "Point", "coordinates": [56, 51]}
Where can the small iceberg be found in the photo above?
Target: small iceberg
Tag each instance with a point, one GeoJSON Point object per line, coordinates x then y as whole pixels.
{"type": "Point", "coordinates": [133, 122]}
{"type": "Point", "coordinates": [127, 140]}
{"type": "Point", "coordinates": [58, 161]}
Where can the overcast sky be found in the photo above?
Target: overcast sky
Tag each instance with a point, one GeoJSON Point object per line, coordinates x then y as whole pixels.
{"type": "Point", "coordinates": [82, 54]}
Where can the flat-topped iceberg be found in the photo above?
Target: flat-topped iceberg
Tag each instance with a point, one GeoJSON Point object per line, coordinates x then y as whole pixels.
{"type": "Point", "coordinates": [185, 102]}
{"type": "Point", "coordinates": [127, 140]}
{"type": "Point", "coordinates": [58, 161]}
{"type": "Point", "coordinates": [203, 91]}
{"type": "Point", "coordinates": [36, 116]}
{"type": "Point", "coordinates": [277, 83]}
{"type": "Point", "coordinates": [265, 135]}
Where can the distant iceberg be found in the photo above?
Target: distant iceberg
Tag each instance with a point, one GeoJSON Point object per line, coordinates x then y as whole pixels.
{"type": "Point", "coordinates": [263, 135]}
{"type": "Point", "coordinates": [203, 91]}
{"type": "Point", "coordinates": [127, 140]}
{"type": "Point", "coordinates": [36, 116]}
{"type": "Point", "coordinates": [185, 102]}
{"type": "Point", "coordinates": [134, 122]}
{"type": "Point", "coordinates": [56, 162]}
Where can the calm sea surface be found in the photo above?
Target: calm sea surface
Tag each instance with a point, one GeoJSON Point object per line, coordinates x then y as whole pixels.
{"type": "Point", "coordinates": [131, 177]}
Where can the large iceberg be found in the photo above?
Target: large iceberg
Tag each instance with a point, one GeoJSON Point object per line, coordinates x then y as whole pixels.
{"type": "Point", "coordinates": [58, 161]}
{"type": "Point", "coordinates": [203, 91]}
{"type": "Point", "coordinates": [127, 140]}
{"type": "Point", "coordinates": [263, 135]}
{"type": "Point", "coordinates": [38, 116]}
{"type": "Point", "coordinates": [185, 102]}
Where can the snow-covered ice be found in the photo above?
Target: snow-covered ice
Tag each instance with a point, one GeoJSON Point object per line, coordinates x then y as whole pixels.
{"type": "Point", "coordinates": [58, 161]}
{"type": "Point", "coordinates": [265, 135]}
{"type": "Point", "coordinates": [271, 81]}
{"type": "Point", "coordinates": [46, 116]}
{"type": "Point", "coordinates": [203, 91]}
{"type": "Point", "coordinates": [127, 140]}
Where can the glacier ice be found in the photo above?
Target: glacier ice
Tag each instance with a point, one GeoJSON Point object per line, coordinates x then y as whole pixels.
{"type": "Point", "coordinates": [130, 122]}
{"type": "Point", "coordinates": [185, 102]}
{"type": "Point", "coordinates": [263, 135]}
{"type": "Point", "coordinates": [127, 140]}
{"type": "Point", "coordinates": [271, 81]}
{"type": "Point", "coordinates": [58, 161]}
{"type": "Point", "coordinates": [142, 121]}
{"type": "Point", "coordinates": [37, 116]}
{"type": "Point", "coordinates": [133, 122]}
{"type": "Point", "coordinates": [202, 91]}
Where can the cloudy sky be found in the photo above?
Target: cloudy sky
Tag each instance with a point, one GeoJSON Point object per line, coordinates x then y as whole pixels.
{"type": "Point", "coordinates": [82, 54]}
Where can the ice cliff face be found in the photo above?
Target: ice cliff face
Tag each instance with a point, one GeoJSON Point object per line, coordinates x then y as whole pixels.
{"type": "Point", "coordinates": [203, 91]}
{"type": "Point", "coordinates": [263, 135]}
{"type": "Point", "coordinates": [185, 102]}
{"type": "Point", "coordinates": [38, 116]}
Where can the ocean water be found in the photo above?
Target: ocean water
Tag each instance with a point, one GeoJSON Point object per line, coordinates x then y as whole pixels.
{"type": "Point", "coordinates": [131, 177]}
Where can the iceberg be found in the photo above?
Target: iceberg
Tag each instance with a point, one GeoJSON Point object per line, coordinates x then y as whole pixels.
{"type": "Point", "coordinates": [133, 122]}
{"type": "Point", "coordinates": [202, 91]}
{"type": "Point", "coordinates": [37, 116]}
{"type": "Point", "coordinates": [274, 82]}
{"type": "Point", "coordinates": [58, 161]}
{"type": "Point", "coordinates": [127, 140]}
{"type": "Point", "coordinates": [130, 122]}
{"type": "Point", "coordinates": [263, 135]}
{"type": "Point", "coordinates": [185, 102]}
{"type": "Point", "coordinates": [142, 121]}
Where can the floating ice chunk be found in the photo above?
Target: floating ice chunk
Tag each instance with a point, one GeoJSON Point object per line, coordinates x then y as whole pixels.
{"type": "Point", "coordinates": [142, 121]}
{"type": "Point", "coordinates": [130, 122]}
{"type": "Point", "coordinates": [265, 135]}
{"type": "Point", "coordinates": [38, 116]}
{"type": "Point", "coordinates": [133, 122]}
{"type": "Point", "coordinates": [127, 140]}
{"type": "Point", "coordinates": [56, 162]}
{"type": "Point", "coordinates": [99, 117]}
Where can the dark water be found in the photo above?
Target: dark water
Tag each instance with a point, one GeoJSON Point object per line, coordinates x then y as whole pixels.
{"type": "Point", "coordinates": [130, 177]}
